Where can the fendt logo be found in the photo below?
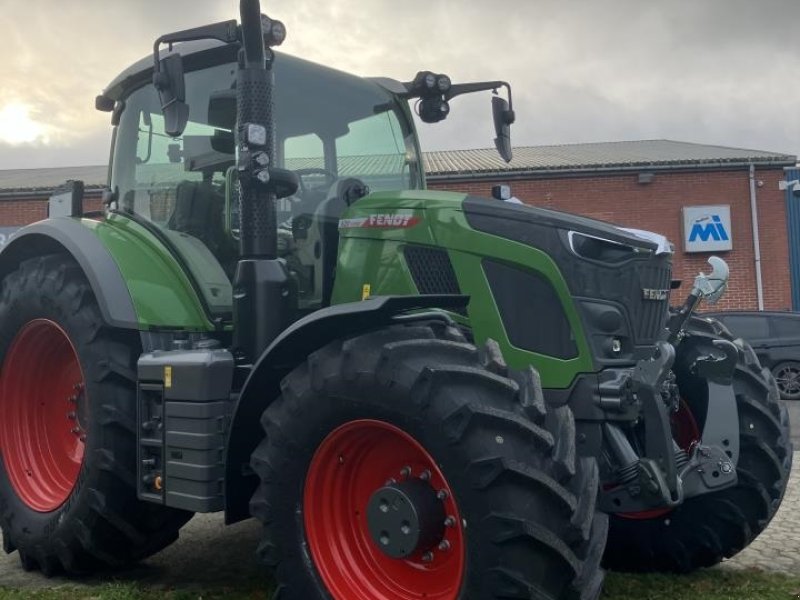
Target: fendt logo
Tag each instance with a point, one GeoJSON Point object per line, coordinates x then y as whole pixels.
{"type": "Point", "coordinates": [708, 227]}
{"type": "Point", "coordinates": [380, 221]}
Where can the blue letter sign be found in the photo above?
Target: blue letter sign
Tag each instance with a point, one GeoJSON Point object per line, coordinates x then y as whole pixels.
{"type": "Point", "coordinates": [707, 228]}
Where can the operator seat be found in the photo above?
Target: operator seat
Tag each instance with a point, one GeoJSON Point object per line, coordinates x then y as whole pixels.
{"type": "Point", "coordinates": [199, 212]}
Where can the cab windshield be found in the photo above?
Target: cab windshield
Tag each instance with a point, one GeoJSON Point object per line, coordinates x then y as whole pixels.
{"type": "Point", "coordinates": [329, 125]}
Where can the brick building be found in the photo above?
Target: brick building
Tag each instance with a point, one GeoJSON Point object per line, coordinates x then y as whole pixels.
{"type": "Point", "coordinates": [644, 185]}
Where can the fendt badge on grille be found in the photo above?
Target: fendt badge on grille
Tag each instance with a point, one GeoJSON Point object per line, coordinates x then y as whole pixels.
{"type": "Point", "coordinates": [651, 294]}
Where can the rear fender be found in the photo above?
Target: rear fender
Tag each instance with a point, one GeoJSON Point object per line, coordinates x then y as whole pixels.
{"type": "Point", "coordinates": [65, 235]}
{"type": "Point", "coordinates": [290, 349]}
{"type": "Point", "coordinates": [137, 281]}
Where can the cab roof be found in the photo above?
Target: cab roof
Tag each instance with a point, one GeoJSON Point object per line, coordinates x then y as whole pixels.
{"type": "Point", "coordinates": [205, 53]}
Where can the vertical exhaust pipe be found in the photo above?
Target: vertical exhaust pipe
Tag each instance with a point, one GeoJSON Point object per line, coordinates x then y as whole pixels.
{"type": "Point", "coordinates": [264, 301]}
{"type": "Point", "coordinates": [254, 103]}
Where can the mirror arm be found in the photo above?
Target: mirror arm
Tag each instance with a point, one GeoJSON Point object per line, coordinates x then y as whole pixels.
{"type": "Point", "coordinates": [224, 31]}
{"type": "Point", "coordinates": [480, 86]}
{"type": "Point", "coordinates": [458, 89]}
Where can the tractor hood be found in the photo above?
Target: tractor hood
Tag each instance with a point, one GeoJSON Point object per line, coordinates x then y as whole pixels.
{"type": "Point", "coordinates": [518, 216]}
{"type": "Point", "coordinates": [389, 212]}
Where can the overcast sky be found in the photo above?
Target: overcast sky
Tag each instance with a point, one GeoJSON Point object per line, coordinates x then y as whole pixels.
{"type": "Point", "coordinates": [723, 72]}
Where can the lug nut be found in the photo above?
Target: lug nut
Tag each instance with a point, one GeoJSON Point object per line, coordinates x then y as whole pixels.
{"type": "Point", "coordinates": [427, 557]}
{"type": "Point", "coordinates": [450, 522]}
{"type": "Point", "coordinates": [405, 471]}
{"type": "Point", "coordinates": [425, 475]}
{"type": "Point", "coordinates": [442, 495]}
{"type": "Point", "coordinates": [390, 481]}
{"type": "Point", "coordinates": [444, 545]}
{"type": "Point", "coordinates": [72, 416]}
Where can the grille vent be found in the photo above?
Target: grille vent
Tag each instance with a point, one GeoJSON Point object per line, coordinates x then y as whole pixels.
{"type": "Point", "coordinates": [431, 270]}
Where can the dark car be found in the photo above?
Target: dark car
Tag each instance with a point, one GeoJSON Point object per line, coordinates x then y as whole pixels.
{"type": "Point", "coordinates": [775, 336]}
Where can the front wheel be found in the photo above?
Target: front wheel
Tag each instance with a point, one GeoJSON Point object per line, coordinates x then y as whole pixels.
{"type": "Point", "coordinates": [404, 464]}
{"type": "Point", "coordinates": [707, 528]}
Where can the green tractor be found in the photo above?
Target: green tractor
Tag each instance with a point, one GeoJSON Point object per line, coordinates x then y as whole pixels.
{"type": "Point", "coordinates": [419, 394]}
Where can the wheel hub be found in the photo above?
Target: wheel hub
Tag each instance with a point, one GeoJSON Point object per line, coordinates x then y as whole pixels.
{"type": "Point", "coordinates": [406, 518]}
{"type": "Point", "coordinates": [43, 415]}
{"type": "Point", "coordinates": [381, 520]}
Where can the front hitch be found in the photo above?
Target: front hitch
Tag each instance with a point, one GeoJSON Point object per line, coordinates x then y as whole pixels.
{"type": "Point", "coordinates": [663, 474]}
{"type": "Point", "coordinates": [709, 287]}
{"type": "Point", "coordinates": [650, 480]}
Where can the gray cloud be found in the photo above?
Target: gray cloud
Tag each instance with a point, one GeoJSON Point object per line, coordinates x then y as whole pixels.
{"type": "Point", "coordinates": [717, 71]}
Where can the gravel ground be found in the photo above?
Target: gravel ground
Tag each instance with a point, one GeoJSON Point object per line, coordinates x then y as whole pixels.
{"type": "Point", "coordinates": [210, 554]}
{"type": "Point", "coordinates": [778, 547]}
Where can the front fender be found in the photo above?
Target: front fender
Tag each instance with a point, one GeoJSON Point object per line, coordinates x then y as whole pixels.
{"type": "Point", "coordinates": [290, 349]}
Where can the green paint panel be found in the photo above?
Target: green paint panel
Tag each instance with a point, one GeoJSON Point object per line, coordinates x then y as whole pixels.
{"type": "Point", "coordinates": [372, 254]}
{"type": "Point", "coordinates": [162, 294]}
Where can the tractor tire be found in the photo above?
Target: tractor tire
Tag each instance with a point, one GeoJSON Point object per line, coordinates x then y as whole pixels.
{"type": "Point", "coordinates": [68, 429]}
{"type": "Point", "coordinates": [706, 529]}
{"type": "Point", "coordinates": [413, 416]}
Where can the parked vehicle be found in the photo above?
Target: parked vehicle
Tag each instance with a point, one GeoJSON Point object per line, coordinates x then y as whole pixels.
{"type": "Point", "coordinates": [775, 336]}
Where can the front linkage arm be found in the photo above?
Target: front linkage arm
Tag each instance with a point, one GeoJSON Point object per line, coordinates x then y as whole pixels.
{"type": "Point", "coordinates": [666, 474]}
{"type": "Point", "coordinates": [652, 480]}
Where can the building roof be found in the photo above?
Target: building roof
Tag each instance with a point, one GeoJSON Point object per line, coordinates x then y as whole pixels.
{"type": "Point", "coordinates": [46, 179]}
{"type": "Point", "coordinates": [444, 164]}
{"type": "Point", "coordinates": [608, 156]}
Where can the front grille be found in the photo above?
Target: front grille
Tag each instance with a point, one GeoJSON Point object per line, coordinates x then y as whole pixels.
{"type": "Point", "coordinates": [649, 316]}
{"type": "Point", "coordinates": [431, 270]}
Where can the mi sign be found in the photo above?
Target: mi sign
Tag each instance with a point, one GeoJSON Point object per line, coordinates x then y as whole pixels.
{"type": "Point", "coordinates": [707, 228]}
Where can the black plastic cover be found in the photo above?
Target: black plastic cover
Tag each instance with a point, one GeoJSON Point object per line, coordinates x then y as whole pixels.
{"type": "Point", "coordinates": [637, 287]}
{"type": "Point", "coordinates": [531, 311]}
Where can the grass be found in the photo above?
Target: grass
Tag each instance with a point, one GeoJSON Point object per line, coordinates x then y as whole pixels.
{"type": "Point", "coordinates": [713, 584]}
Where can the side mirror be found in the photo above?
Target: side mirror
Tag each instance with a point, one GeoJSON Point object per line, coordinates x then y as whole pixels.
{"type": "Point", "coordinates": [503, 118]}
{"type": "Point", "coordinates": [168, 80]}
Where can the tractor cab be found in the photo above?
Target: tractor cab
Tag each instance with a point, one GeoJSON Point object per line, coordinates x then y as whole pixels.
{"type": "Point", "coordinates": [340, 134]}
{"type": "Point", "coordinates": [174, 161]}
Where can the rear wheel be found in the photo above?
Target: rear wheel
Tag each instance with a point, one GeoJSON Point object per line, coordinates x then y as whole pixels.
{"type": "Point", "coordinates": [705, 529]}
{"type": "Point", "coordinates": [404, 464]}
{"type": "Point", "coordinates": [67, 428]}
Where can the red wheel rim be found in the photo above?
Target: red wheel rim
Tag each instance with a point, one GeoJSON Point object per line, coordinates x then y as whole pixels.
{"type": "Point", "coordinates": [352, 463]}
{"type": "Point", "coordinates": [687, 435]}
{"type": "Point", "coordinates": [684, 427]}
{"type": "Point", "coordinates": [42, 439]}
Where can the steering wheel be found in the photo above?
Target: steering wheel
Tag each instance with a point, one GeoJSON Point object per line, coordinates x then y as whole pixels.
{"type": "Point", "coordinates": [330, 178]}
